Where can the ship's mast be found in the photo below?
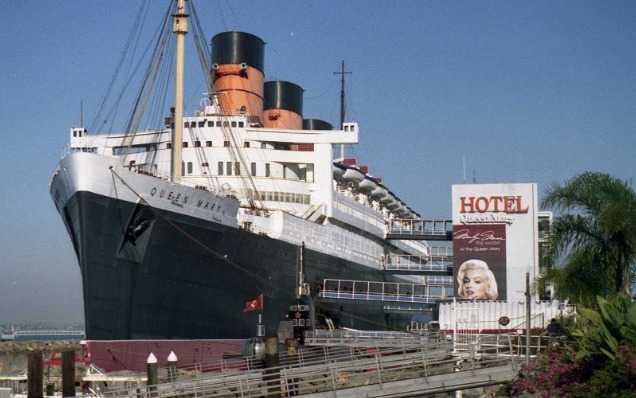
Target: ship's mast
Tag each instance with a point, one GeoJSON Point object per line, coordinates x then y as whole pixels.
{"type": "Point", "coordinates": [342, 74]}
{"type": "Point", "coordinates": [180, 28]}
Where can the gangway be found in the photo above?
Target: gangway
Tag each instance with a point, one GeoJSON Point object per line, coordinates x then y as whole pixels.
{"type": "Point", "coordinates": [400, 292]}
{"type": "Point", "coordinates": [376, 374]}
{"type": "Point", "coordinates": [438, 261]}
{"type": "Point", "coordinates": [419, 229]}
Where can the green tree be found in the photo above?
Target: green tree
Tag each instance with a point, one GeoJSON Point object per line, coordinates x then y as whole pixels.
{"type": "Point", "coordinates": [594, 235]}
{"type": "Point", "coordinates": [604, 331]}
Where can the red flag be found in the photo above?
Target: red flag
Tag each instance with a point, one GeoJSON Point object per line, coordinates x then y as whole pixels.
{"type": "Point", "coordinates": [254, 304]}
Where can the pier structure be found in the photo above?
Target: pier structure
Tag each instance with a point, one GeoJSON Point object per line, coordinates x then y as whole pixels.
{"type": "Point", "coordinates": [352, 368]}
{"type": "Point", "coordinates": [34, 351]}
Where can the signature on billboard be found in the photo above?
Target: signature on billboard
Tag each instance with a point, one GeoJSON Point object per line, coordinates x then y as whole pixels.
{"type": "Point", "coordinates": [479, 236]}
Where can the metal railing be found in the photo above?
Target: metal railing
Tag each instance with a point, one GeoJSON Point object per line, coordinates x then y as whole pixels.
{"type": "Point", "coordinates": [439, 260]}
{"type": "Point", "coordinates": [501, 345]}
{"type": "Point", "coordinates": [376, 369]}
{"type": "Point", "coordinates": [375, 339]}
{"type": "Point", "coordinates": [384, 291]}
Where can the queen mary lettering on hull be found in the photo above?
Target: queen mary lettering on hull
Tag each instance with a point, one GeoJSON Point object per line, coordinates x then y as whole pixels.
{"type": "Point", "coordinates": [175, 227]}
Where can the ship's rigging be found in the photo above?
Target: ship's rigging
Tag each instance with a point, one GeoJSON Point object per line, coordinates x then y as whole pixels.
{"type": "Point", "coordinates": [149, 104]}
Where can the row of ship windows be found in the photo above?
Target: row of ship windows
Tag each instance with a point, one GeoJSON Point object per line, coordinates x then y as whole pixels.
{"type": "Point", "coordinates": [212, 123]}
{"type": "Point", "coordinates": [225, 168]}
{"type": "Point", "coordinates": [197, 144]}
{"type": "Point", "coordinates": [287, 197]}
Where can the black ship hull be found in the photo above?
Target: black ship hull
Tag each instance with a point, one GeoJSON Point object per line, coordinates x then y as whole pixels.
{"type": "Point", "coordinates": [149, 273]}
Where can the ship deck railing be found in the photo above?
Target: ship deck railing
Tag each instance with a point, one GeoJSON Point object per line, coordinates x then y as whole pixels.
{"type": "Point", "coordinates": [419, 229]}
{"type": "Point", "coordinates": [342, 289]}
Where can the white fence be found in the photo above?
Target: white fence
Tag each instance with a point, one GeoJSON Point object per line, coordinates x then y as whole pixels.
{"type": "Point", "coordinates": [497, 316]}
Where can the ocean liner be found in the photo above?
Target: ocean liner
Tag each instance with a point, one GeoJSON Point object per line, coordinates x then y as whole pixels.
{"type": "Point", "coordinates": [175, 228]}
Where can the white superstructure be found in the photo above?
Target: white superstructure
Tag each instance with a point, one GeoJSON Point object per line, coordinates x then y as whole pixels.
{"type": "Point", "coordinates": [286, 181]}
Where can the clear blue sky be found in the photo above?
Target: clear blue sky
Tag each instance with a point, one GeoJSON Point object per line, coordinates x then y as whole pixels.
{"type": "Point", "coordinates": [526, 91]}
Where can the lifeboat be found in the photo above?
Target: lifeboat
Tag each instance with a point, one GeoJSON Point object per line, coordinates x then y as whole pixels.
{"type": "Point", "coordinates": [393, 205]}
{"type": "Point", "coordinates": [338, 172]}
{"type": "Point", "coordinates": [367, 185]}
{"type": "Point", "coordinates": [403, 211]}
{"type": "Point", "coordinates": [353, 175]}
{"type": "Point", "coordinates": [378, 193]}
{"type": "Point", "coordinates": [388, 199]}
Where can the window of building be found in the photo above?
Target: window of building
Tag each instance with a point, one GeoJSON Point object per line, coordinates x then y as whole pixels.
{"type": "Point", "coordinates": [202, 124]}
{"type": "Point", "coordinates": [226, 124]}
{"type": "Point", "coordinates": [208, 144]}
{"type": "Point", "coordinates": [263, 145]}
{"type": "Point", "coordinates": [185, 144]}
{"type": "Point", "coordinates": [197, 144]}
{"type": "Point", "coordinates": [267, 170]}
{"type": "Point", "coordinates": [210, 123]}
{"type": "Point", "coordinates": [228, 168]}
{"type": "Point", "coordinates": [220, 168]}
{"type": "Point", "coordinates": [246, 144]}
{"type": "Point", "coordinates": [226, 143]}
{"type": "Point", "coordinates": [241, 124]}
{"type": "Point", "coordinates": [74, 133]}
{"type": "Point", "coordinates": [189, 167]}
{"type": "Point", "coordinates": [237, 168]}
{"type": "Point", "coordinates": [186, 124]}
{"type": "Point", "coordinates": [205, 164]}
{"type": "Point", "coordinates": [182, 168]}
{"type": "Point", "coordinates": [253, 169]}
{"type": "Point", "coordinates": [169, 145]}
{"type": "Point", "coordinates": [233, 124]}
{"type": "Point", "coordinates": [218, 123]}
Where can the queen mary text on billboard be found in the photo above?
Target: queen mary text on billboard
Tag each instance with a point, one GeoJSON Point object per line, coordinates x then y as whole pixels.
{"type": "Point", "coordinates": [480, 261]}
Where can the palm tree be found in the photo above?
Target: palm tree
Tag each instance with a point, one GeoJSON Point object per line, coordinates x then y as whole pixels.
{"type": "Point", "coordinates": [595, 235]}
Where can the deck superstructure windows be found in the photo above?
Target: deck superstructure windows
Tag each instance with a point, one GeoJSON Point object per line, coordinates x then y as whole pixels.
{"type": "Point", "coordinates": [202, 124]}
{"type": "Point", "coordinates": [253, 169]}
{"type": "Point", "coordinates": [288, 197]}
{"type": "Point", "coordinates": [220, 168]}
{"type": "Point", "coordinates": [189, 167]}
{"type": "Point", "coordinates": [233, 124]}
{"type": "Point", "coordinates": [132, 149]}
{"type": "Point", "coordinates": [197, 144]}
{"type": "Point", "coordinates": [218, 123]}
{"type": "Point", "coordinates": [185, 144]}
{"type": "Point", "coordinates": [210, 123]}
{"type": "Point", "coordinates": [246, 144]}
{"type": "Point", "coordinates": [226, 144]}
{"type": "Point", "coordinates": [241, 124]}
{"type": "Point", "coordinates": [228, 168]}
{"type": "Point", "coordinates": [208, 144]}
{"type": "Point", "coordinates": [268, 171]}
{"type": "Point", "coordinates": [237, 168]}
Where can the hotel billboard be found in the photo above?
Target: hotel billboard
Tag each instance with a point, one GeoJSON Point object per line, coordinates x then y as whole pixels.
{"type": "Point", "coordinates": [495, 240]}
